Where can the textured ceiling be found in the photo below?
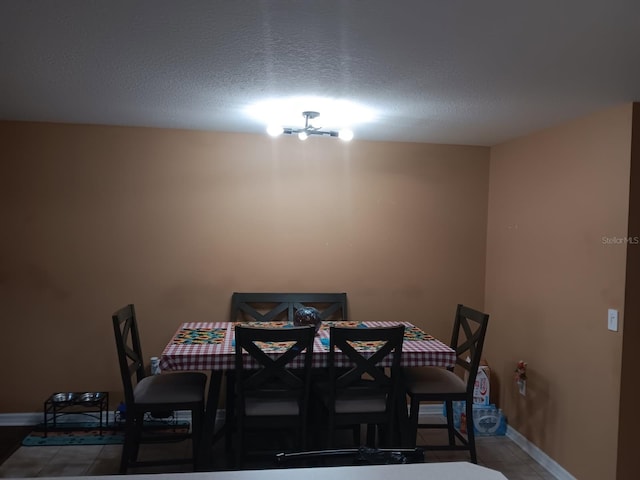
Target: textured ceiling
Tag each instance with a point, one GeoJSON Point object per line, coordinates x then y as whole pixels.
{"type": "Point", "coordinates": [475, 72]}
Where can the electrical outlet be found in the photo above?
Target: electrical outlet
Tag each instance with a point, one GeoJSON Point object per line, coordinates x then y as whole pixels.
{"type": "Point", "coordinates": [612, 320]}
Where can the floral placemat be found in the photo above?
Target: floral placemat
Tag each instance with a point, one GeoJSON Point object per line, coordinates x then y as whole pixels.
{"type": "Point", "coordinates": [362, 346]}
{"type": "Point", "coordinates": [274, 346]}
{"type": "Point", "coordinates": [276, 324]}
{"type": "Point", "coordinates": [327, 324]}
{"type": "Point", "coordinates": [416, 334]}
{"type": "Point", "coordinates": [200, 336]}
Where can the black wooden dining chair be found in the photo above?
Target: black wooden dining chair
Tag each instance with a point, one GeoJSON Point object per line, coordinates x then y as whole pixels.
{"type": "Point", "coordinates": [429, 384]}
{"type": "Point", "coordinates": [359, 390]}
{"type": "Point", "coordinates": [270, 307]}
{"type": "Point", "coordinates": [267, 307]}
{"type": "Point", "coordinates": [152, 394]}
{"type": "Point", "coordinates": [271, 391]}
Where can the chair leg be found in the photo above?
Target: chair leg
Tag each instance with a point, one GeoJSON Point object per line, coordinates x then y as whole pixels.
{"type": "Point", "coordinates": [471, 434]}
{"type": "Point", "coordinates": [414, 410]}
{"type": "Point", "coordinates": [229, 412]}
{"type": "Point", "coordinates": [371, 435]}
{"type": "Point", "coordinates": [239, 447]}
{"type": "Point", "coordinates": [303, 432]}
{"type": "Point", "coordinates": [450, 426]}
{"type": "Point", "coordinates": [198, 447]}
{"type": "Point", "coordinates": [356, 435]}
{"type": "Point", "coordinates": [137, 437]}
{"type": "Point", "coordinates": [314, 425]}
{"type": "Point", "coordinates": [331, 431]}
{"type": "Point", "coordinates": [127, 448]}
{"type": "Point", "coordinates": [392, 436]}
{"type": "Point", "coordinates": [385, 435]}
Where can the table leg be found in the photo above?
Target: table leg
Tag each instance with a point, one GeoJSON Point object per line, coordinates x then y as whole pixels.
{"type": "Point", "coordinates": [402, 435]}
{"type": "Point", "coordinates": [205, 456]}
{"type": "Point", "coordinates": [403, 424]}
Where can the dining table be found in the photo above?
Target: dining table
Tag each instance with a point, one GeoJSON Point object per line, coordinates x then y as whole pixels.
{"type": "Point", "coordinates": [210, 346]}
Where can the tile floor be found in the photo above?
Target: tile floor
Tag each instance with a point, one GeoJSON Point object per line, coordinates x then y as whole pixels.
{"type": "Point", "coordinates": [498, 453]}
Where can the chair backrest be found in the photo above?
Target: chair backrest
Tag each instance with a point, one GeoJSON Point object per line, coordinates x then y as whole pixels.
{"type": "Point", "coordinates": [125, 328]}
{"type": "Point", "coordinates": [366, 350]}
{"type": "Point", "coordinates": [266, 370]}
{"type": "Point", "coordinates": [469, 330]}
{"type": "Point", "coordinates": [268, 307]}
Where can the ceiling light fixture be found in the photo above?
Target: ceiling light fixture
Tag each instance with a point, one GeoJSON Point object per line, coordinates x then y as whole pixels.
{"type": "Point", "coordinates": [308, 129]}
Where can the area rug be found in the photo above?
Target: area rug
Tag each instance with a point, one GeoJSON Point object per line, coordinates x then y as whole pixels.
{"type": "Point", "coordinates": [89, 433]}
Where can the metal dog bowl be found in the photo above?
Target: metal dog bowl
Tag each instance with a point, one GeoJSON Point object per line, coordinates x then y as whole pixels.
{"type": "Point", "coordinates": [64, 397]}
{"type": "Point", "coordinates": [90, 397]}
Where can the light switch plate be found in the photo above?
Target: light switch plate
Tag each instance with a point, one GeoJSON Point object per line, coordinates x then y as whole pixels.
{"type": "Point", "coordinates": [612, 320]}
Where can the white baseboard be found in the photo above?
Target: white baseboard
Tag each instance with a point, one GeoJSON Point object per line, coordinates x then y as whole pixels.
{"type": "Point", "coordinates": [19, 419]}
{"type": "Point", "coordinates": [512, 434]}
{"type": "Point", "coordinates": [32, 419]}
{"type": "Point", "coordinates": [25, 419]}
{"type": "Point", "coordinates": [538, 455]}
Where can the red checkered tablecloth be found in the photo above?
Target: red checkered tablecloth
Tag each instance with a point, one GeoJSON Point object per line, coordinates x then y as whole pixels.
{"type": "Point", "coordinates": [211, 346]}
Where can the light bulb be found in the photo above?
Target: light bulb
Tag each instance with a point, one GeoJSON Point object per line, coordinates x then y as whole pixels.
{"type": "Point", "coordinates": [345, 134]}
{"type": "Point", "coordinates": [274, 130]}
{"type": "Point", "coordinates": [303, 135]}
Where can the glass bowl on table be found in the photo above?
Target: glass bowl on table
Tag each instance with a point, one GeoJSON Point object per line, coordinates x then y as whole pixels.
{"type": "Point", "coordinates": [307, 316]}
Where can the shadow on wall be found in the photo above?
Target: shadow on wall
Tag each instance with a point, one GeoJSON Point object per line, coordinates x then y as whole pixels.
{"type": "Point", "coordinates": [527, 412]}
{"type": "Point", "coordinates": [495, 385]}
{"type": "Point", "coordinates": [197, 296]}
{"type": "Point", "coordinates": [15, 279]}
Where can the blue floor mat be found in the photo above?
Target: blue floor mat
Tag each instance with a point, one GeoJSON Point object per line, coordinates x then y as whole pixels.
{"type": "Point", "coordinates": [89, 433]}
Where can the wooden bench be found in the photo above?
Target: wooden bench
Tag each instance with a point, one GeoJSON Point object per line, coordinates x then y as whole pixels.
{"type": "Point", "coordinates": [268, 307]}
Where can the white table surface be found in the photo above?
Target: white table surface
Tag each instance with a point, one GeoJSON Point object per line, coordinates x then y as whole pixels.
{"type": "Point", "coordinates": [421, 471]}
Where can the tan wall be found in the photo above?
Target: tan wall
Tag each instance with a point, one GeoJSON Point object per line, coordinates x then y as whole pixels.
{"type": "Point", "coordinates": [175, 221]}
{"type": "Point", "coordinates": [550, 279]}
